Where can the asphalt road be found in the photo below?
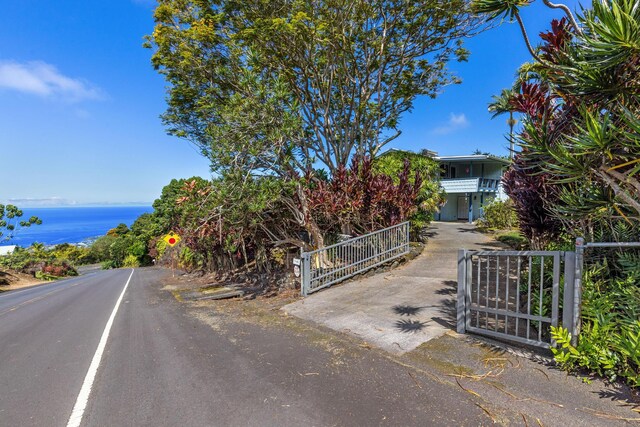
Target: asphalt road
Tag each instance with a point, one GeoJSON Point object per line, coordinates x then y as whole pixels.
{"type": "Point", "coordinates": [164, 367]}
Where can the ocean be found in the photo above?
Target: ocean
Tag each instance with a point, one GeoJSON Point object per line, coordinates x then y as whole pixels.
{"type": "Point", "coordinates": [73, 224]}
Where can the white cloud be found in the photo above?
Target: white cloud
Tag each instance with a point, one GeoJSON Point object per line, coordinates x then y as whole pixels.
{"type": "Point", "coordinates": [456, 122]}
{"type": "Point", "coordinates": [42, 79]}
{"type": "Point", "coordinates": [33, 202]}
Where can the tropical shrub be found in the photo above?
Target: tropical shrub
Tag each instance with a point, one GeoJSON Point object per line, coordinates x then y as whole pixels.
{"type": "Point", "coordinates": [358, 200]}
{"type": "Point", "coordinates": [231, 220]}
{"type": "Point", "coordinates": [109, 264]}
{"type": "Point", "coordinates": [18, 260]}
{"type": "Point", "coordinates": [430, 197]}
{"type": "Point", "coordinates": [120, 244]}
{"type": "Point", "coordinates": [578, 171]}
{"type": "Point", "coordinates": [44, 263]}
{"type": "Point", "coordinates": [76, 255]}
{"type": "Point", "coordinates": [131, 261]}
{"type": "Point", "coordinates": [52, 271]}
{"type": "Point", "coordinates": [499, 215]}
{"type": "Point", "coordinates": [580, 112]}
{"type": "Point", "coordinates": [238, 219]}
{"type": "Point", "coordinates": [189, 259]}
{"type": "Point", "coordinates": [609, 342]}
{"type": "Point", "coordinates": [100, 248]}
{"type": "Point", "coordinates": [531, 193]}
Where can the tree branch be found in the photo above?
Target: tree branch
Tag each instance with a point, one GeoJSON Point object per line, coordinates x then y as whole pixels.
{"type": "Point", "coordinates": [567, 12]}
{"type": "Point", "coordinates": [526, 37]}
{"type": "Point", "coordinates": [619, 191]}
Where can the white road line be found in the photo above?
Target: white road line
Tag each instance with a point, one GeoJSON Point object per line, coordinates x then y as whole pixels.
{"type": "Point", "coordinates": [81, 402]}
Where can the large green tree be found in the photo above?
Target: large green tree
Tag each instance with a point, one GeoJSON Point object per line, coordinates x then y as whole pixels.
{"type": "Point", "coordinates": [281, 85]}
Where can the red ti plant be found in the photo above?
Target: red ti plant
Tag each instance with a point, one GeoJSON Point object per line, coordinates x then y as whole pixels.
{"type": "Point", "coordinates": [357, 200]}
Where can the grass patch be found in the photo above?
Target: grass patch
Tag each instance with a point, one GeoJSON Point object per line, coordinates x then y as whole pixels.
{"type": "Point", "coordinates": [514, 239]}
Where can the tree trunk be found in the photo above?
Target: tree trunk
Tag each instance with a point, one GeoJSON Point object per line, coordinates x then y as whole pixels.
{"type": "Point", "coordinates": [321, 260]}
{"type": "Point", "coordinates": [309, 224]}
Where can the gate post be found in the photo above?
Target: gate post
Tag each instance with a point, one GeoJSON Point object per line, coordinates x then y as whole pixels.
{"type": "Point", "coordinates": [577, 291]}
{"type": "Point", "coordinates": [568, 297]}
{"type": "Point", "coordinates": [306, 274]}
{"type": "Point", "coordinates": [461, 305]}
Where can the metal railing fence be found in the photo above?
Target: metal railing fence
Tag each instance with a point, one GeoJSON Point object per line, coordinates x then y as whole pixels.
{"type": "Point", "coordinates": [514, 295]}
{"type": "Point", "coordinates": [518, 295]}
{"type": "Point", "coordinates": [332, 264]}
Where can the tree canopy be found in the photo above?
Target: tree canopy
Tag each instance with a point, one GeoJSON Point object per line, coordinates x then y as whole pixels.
{"type": "Point", "coordinates": [276, 86]}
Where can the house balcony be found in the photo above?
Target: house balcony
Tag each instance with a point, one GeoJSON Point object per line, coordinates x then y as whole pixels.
{"type": "Point", "coordinates": [470, 185]}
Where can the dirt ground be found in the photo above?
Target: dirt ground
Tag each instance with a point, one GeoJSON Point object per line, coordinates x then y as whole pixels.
{"type": "Point", "coordinates": [17, 281]}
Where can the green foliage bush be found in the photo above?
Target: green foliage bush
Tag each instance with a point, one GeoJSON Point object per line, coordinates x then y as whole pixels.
{"type": "Point", "coordinates": [499, 215]}
{"type": "Point", "coordinates": [54, 271]}
{"type": "Point", "coordinates": [236, 218]}
{"type": "Point", "coordinates": [76, 255]}
{"type": "Point", "coordinates": [131, 261]}
{"type": "Point", "coordinates": [430, 197]}
{"type": "Point", "coordinates": [609, 342]}
{"type": "Point", "coordinates": [46, 264]}
{"type": "Point", "coordinates": [18, 260]}
{"type": "Point", "coordinates": [121, 244]}
{"type": "Point", "coordinates": [100, 248]}
{"type": "Point", "coordinates": [190, 259]}
{"type": "Point", "coordinates": [109, 264]}
{"type": "Point", "coordinates": [578, 173]}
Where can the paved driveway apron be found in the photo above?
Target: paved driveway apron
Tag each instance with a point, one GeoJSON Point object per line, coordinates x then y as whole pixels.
{"type": "Point", "coordinates": [399, 310]}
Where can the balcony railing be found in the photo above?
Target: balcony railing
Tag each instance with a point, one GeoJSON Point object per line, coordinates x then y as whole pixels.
{"type": "Point", "coordinates": [487, 184]}
{"type": "Point", "coordinates": [470, 185]}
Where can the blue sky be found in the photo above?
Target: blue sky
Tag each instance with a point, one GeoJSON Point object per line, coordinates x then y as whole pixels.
{"type": "Point", "coordinates": [80, 103]}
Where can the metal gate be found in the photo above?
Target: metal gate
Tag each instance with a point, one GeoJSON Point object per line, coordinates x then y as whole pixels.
{"type": "Point", "coordinates": [332, 264]}
{"type": "Point", "coordinates": [517, 296]}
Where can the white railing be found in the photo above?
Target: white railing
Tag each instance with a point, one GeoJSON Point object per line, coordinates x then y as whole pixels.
{"type": "Point", "coordinates": [470, 185]}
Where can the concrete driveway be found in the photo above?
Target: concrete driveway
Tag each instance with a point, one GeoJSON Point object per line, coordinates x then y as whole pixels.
{"type": "Point", "coordinates": [399, 310]}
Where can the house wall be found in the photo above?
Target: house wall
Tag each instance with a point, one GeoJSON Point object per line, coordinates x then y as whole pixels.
{"type": "Point", "coordinates": [480, 169]}
{"type": "Point", "coordinates": [501, 194]}
{"type": "Point", "coordinates": [490, 170]}
{"type": "Point", "coordinates": [449, 212]}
